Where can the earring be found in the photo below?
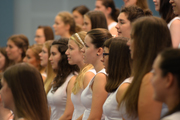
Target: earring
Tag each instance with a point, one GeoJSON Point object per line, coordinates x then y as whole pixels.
{"type": "Point", "coordinates": [97, 54]}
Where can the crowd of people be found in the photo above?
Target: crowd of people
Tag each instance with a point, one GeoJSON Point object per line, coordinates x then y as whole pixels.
{"type": "Point", "coordinates": [109, 64]}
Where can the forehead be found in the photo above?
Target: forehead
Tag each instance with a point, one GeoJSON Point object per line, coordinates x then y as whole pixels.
{"type": "Point", "coordinates": [54, 48]}
{"type": "Point", "coordinates": [122, 15]}
{"type": "Point", "coordinates": [87, 39]}
{"type": "Point", "coordinates": [99, 3]}
{"type": "Point", "coordinates": [39, 30]}
{"type": "Point", "coordinates": [72, 42]}
{"type": "Point", "coordinates": [157, 62]}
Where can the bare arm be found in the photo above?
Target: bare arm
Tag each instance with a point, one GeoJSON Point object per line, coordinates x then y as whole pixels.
{"type": "Point", "coordinates": [99, 96]}
{"type": "Point", "coordinates": [67, 115]}
{"type": "Point", "coordinates": [175, 29]}
{"type": "Point", "coordinates": [148, 108]}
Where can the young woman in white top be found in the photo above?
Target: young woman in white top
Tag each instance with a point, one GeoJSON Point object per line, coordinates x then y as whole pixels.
{"type": "Point", "coordinates": [110, 11]}
{"type": "Point", "coordinates": [149, 36]}
{"type": "Point", "coordinates": [166, 11]}
{"type": "Point", "coordinates": [59, 96]}
{"type": "Point", "coordinates": [75, 56]}
{"type": "Point", "coordinates": [117, 59]}
{"type": "Point", "coordinates": [94, 95]}
{"type": "Point", "coordinates": [166, 81]}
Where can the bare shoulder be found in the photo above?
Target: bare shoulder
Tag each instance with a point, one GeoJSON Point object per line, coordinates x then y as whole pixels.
{"type": "Point", "coordinates": [147, 78]}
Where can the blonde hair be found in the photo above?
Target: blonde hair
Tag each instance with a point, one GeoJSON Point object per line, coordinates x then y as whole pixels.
{"type": "Point", "coordinates": [50, 73]}
{"type": "Point", "coordinates": [78, 38]}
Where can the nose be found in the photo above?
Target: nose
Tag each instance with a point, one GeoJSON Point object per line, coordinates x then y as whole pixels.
{"type": "Point", "coordinates": [170, 1]}
{"type": "Point", "coordinates": [82, 50]}
{"type": "Point", "coordinates": [24, 60]}
{"type": "Point", "coordinates": [50, 58]}
{"type": "Point", "coordinates": [67, 52]}
{"type": "Point", "coordinates": [129, 42]}
{"type": "Point", "coordinates": [117, 26]}
{"type": "Point", "coordinates": [40, 54]}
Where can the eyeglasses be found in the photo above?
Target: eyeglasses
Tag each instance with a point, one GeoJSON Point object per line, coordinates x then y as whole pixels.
{"type": "Point", "coordinates": [104, 54]}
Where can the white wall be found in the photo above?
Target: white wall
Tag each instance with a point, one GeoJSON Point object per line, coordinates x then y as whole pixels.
{"type": "Point", "coordinates": [29, 14]}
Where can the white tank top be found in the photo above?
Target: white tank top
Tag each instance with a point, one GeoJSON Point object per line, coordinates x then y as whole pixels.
{"type": "Point", "coordinates": [76, 100]}
{"type": "Point", "coordinates": [176, 18]}
{"type": "Point", "coordinates": [113, 24]}
{"type": "Point", "coordinates": [110, 107]}
{"type": "Point", "coordinates": [57, 100]}
{"type": "Point", "coordinates": [86, 98]}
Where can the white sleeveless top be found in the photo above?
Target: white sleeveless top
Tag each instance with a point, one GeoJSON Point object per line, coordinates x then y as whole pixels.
{"type": "Point", "coordinates": [110, 107]}
{"type": "Point", "coordinates": [57, 100]}
{"type": "Point", "coordinates": [175, 18]}
{"type": "Point", "coordinates": [113, 24]}
{"type": "Point", "coordinates": [86, 98]}
{"type": "Point", "coordinates": [76, 100]}
{"type": "Point", "coordinates": [174, 116]}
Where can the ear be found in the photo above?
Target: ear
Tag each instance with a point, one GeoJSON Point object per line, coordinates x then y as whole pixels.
{"type": "Point", "coordinates": [100, 51]}
{"type": "Point", "coordinates": [109, 10]}
{"type": "Point", "coordinates": [67, 26]}
{"type": "Point", "coordinates": [169, 80]}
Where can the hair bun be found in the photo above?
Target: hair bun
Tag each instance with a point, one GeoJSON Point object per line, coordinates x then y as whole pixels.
{"type": "Point", "coordinates": [147, 12]}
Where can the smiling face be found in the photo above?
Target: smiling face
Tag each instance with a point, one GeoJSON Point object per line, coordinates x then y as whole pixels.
{"type": "Point", "coordinates": [157, 4]}
{"type": "Point", "coordinates": [129, 2]}
{"type": "Point", "coordinates": [44, 56]}
{"type": "Point", "coordinates": [74, 55]}
{"type": "Point", "coordinates": [158, 81]}
{"type": "Point", "coordinates": [123, 26]}
{"type": "Point", "coordinates": [89, 51]}
{"type": "Point", "coordinates": [39, 37]}
{"type": "Point", "coordinates": [55, 57]}
{"type": "Point", "coordinates": [87, 24]}
{"type": "Point", "coordinates": [6, 95]}
{"type": "Point", "coordinates": [176, 6]}
{"type": "Point", "coordinates": [13, 52]}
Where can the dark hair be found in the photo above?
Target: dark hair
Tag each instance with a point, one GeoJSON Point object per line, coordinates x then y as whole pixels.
{"type": "Point", "coordinates": [82, 9]}
{"type": "Point", "coordinates": [27, 88]}
{"type": "Point", "coordinates": [7, 61]}
{"type": "Point", "coordinates": [48, 32]}
{"type": "Point", "coordinates": [21, 41]}
{"type": "Point", "coordinates": [134, 12]}
{"type": "Point", "coordinates": [98, 19]}
{"type": "Point", "coordinates": [166, 10]}
{"type": "Point", "coordinates": [99, 36]}
{"type": "Point", "coordinates": [64, 68]}
{"type": "Point", "coordinates": [170, 62]}
{"type": "Point", "coordinates": [150, 36]}
{"type": "Point", "coordinates": [119, 67]}
{"type": "Point", "coordinates": [67, 18]}
{"type": "Point", "coordinates": [110, 3]}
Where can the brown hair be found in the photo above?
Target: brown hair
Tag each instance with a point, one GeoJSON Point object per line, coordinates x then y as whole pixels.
{"type": "Point", "coordinates": [21, 41]}
{"type": "Point", "coordinates": [27, 88]}
{"type": "Point", "coordinates": [110, 3]}
{"type": "Point", "coordinates": [150, 36]}
{"type": "Point", "coordinates": [119, 67]}
{"type": "Point", "coordinates": [67, 18]}
{"type": "Point", "coordinates": [64, 68]}
{"type": "Point", "coordinates": [98, 19]}
{"type": "Point", "coordinates": [50, 73]}
{"type": "Point", "coordinates": [99, 36]}
{"type": "Point", "coordinates": [166, 10]}
{"type": "Point", "coordinates": [36, 49]}
{"type": "Point", "coordinates": [134, 12]}
{"type": "Point", "coordinates": [78, 85]}
{"type": "Point", "coordinates": [170, 64]}
{"type": "Point", "coordinates": [142, 4]}
{"type": "Point", "coordinates": [82, 9]}
{"type": "Point", "coordinates": [7, 61]}
{"type": "Point", "coordinates": [48, 32]}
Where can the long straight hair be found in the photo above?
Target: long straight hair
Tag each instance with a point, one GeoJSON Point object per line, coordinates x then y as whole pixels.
{"type": "Point", "coordinates": [150, 36]}
{"type": "Point", "coordinates": [27, 88]}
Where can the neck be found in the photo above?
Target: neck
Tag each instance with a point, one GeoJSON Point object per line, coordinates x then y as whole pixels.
{"type": "Point", "coordinates": [109, 20]}
{"type": "Point", "coordinates": [172, 101]}
{"type": "Point", "coordinates": [66, 35]}
{"type": "Point", "coordinates": [81, 65]}
{"type": "Point", "coordinates": [98, 65]}
{"type": "Point", "coordinates": [18, 60]}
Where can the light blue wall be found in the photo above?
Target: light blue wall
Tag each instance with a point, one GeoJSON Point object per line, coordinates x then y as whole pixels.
{"type": "Point", "coordinates": [23, 16]}
{"type": "Point", "coordinates": [6, 20]}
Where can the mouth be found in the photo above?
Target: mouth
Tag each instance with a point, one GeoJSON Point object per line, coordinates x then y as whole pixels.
{"type": "Point", "coordinates": [119, 32]}
{"type": "Point", "coordinates": [68, 58]}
